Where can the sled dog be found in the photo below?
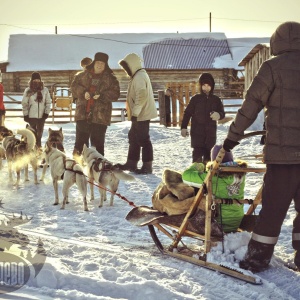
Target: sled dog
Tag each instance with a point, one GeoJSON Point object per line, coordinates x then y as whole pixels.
{"type": "Point", "coordinates": [56, 139]}
{"type": "Point", "coordinates": [66, 169]}
{"type": "Point", "coordinates": [104, 173]}
{"type": "Point", "coordinates": [20, 152]}
{"type": "Point", "coordinates": [4, 131]}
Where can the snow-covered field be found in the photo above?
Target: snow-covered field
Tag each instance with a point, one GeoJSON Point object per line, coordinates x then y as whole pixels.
{"type": "Point", "coordinates": [100, 255]}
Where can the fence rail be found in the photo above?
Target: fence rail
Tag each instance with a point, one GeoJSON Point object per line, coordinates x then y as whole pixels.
{"type": "Point", "coordinates": [12, 102]}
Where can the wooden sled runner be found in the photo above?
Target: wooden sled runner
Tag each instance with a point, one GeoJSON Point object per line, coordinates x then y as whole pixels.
{"type": "Point", "coordinates": [171, 234]}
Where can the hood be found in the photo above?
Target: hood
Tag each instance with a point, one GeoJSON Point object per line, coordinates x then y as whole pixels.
{"type": "Point", "coordinates": [285, 38]}
{"type": "Point", "coordinates": [207, 78]}
{"type": "Point", "coordinates": [133, 61]}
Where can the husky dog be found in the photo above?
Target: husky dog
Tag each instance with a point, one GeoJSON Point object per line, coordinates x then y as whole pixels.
{"type": "Point", "coordinates": [56, 139]}
{"type": "Point", "coordinates": [104, 173]}
{"type": "Point", "coordinates": [21, 152]}
{"type": "Point", "coordinates": [66, 169]}
{"type": "Point", "coordinates": [4, 132]}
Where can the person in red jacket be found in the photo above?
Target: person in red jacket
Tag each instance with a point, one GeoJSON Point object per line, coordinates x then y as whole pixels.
{"type": "Point", "coordinates": [2, 107]}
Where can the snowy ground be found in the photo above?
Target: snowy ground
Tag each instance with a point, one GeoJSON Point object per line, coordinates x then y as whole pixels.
{"type": "Point", "coordinates": [100, 255]}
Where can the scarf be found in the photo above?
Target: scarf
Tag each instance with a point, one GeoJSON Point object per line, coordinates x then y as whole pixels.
{"type": "Point", "coordinates": [36, 87]}
{"type": "Point", "coordinates": [95, 82]}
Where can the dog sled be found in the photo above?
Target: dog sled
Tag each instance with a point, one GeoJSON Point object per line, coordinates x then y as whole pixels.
{"type": "Point", "coordinates": [190, 236]}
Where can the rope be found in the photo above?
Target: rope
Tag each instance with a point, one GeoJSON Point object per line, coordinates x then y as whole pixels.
{"type": "Point", "coordinates": [103, 188]}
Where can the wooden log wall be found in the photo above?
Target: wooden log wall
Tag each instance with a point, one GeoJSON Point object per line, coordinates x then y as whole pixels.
{"type": "Point", "coordinates": [18, 81]}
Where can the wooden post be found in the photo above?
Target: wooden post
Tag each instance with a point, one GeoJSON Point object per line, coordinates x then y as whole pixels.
{"type": "Point", "coordinates": [174, 105]}
{"type": "Point", "coordinates": [208, 204]}
{"type": "Point", "coordinates": [162, 108]}
{"type": "Point", "coordinates": [53, 106]}
{"type": "Point", "coordinates": [181, 103]}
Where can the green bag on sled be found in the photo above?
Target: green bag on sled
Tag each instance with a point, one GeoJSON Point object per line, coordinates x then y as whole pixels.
{"type": "Point", "coordinates": [224, 186]}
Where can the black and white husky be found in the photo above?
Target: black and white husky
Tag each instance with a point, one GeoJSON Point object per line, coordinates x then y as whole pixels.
{"type": "Point", "coordinates": [66, 169]}
{"type": "Point", "coordinates": [103, 173]}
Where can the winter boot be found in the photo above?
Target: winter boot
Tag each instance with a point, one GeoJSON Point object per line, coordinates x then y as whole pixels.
{"type": "Point", "coordinates": [145, 169]}
{"type": "Point", "coordinates": [258, 256]}
{"type": "Point", "coordinates": [130, 165]}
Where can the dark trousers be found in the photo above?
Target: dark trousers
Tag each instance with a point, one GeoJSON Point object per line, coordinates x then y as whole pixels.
{"type": "Point", "coordinates": [139, 138]}
{"type": "Point", "coordinates": [38, 126]}
{"type": "Point", "coordinates": [201, 154]}
{"type": "Point", "coordinates": [281, 186]}
{"type": "Point", "coordinates": [86, 132]}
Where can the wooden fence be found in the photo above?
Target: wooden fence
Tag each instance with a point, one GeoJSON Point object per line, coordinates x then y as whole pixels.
{"type": "Point", "coordinates": [181, 95]}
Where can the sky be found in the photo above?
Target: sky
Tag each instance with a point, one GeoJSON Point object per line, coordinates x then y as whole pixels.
{"type": "Point", "coordinates": [253, 18]}
{"type": "Point", "coordinates": [99, 255]}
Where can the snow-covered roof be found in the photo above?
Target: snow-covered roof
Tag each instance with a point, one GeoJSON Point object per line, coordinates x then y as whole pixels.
{"type": "Point", "coordinates": [64, 52]}
{"type": "Point", "coordinates": [184, 53]}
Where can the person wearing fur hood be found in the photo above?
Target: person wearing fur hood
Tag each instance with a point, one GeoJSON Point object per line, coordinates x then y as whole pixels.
{"type": "Point", "coordinates": [204, 110]}
{"type": "Point", "coordinates": [36, 104]}
{"type": "Point", "coordinates": [141, 109]}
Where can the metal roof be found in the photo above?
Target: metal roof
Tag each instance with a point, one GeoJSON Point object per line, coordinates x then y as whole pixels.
{"type": "Point", "coordinates": [184, 53]}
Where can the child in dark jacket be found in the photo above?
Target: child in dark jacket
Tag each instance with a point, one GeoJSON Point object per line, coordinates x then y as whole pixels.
{"type": "Point", "coordinates": [204, 110]}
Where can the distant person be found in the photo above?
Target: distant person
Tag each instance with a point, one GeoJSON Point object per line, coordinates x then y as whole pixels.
{"type": "Point", "coordinates": [141, 109]}
{"type": "Point", "coordinates": [168, 94]}
{"type": "Point", "coordinates": [275, 87]}
{"type": "Point", "coordinates": [95, 89]}
{"type": "Point", "coordinates": [2, 107]}
{"type": "Point", "coordinates": [83, 63]}
{"type": "Point", "coordinates": [36, 104]}
{"type": "Point", "coordinates": [204, 110]}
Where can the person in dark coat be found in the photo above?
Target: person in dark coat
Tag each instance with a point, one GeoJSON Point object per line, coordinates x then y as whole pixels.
{"type": "Point", "coordinates": [2, 107]}
{"type": "Point", "coordinates": [95, 89]}
{"type": "Point", "coordinates": [204, 110]}
{"type": "Point", "coordinates": [275, 87]}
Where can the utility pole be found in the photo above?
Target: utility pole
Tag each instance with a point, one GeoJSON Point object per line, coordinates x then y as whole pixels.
{"type": "Point", "coordinates": [55, 29]}
{"type": "Point", "coordinates": [210, 22]}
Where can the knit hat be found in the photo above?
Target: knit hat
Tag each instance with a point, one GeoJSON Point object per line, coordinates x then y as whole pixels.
{"type": "Point", "coordinates": [35, 75]}
{"type": "Point", "coordinates": [206, 78]}
{"type": "Point", "coordinates": [215, 150]}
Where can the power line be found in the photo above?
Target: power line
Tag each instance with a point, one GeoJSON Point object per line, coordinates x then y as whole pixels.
{"type": "Point", "coordinates": [141, 22]}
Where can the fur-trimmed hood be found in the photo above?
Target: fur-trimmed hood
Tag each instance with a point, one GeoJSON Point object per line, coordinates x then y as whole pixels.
{"type": "Point", "coordinates": [133, 62]}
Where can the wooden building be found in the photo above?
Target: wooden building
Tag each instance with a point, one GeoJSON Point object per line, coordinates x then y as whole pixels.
{"type": "Point", "coordinates": [253, 60]}
{"type": "Point", "coordinates": [168, 57]}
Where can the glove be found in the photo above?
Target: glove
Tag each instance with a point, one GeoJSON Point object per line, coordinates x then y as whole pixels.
{"type": "Point", "coordinates": [87, 96]}
{"type": "Point", "coordinates": [215, 116]}
{"type": "Point", "coordinates": [184, 132]}
{"type": "Point", "coordinates": [45, 116]}
{"type": "Point", "coordinates": [229, 144]}
{"type": "Point", "coordinates": [26, 119]}
{"type": "Point", "coordinates": [133, 119]}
